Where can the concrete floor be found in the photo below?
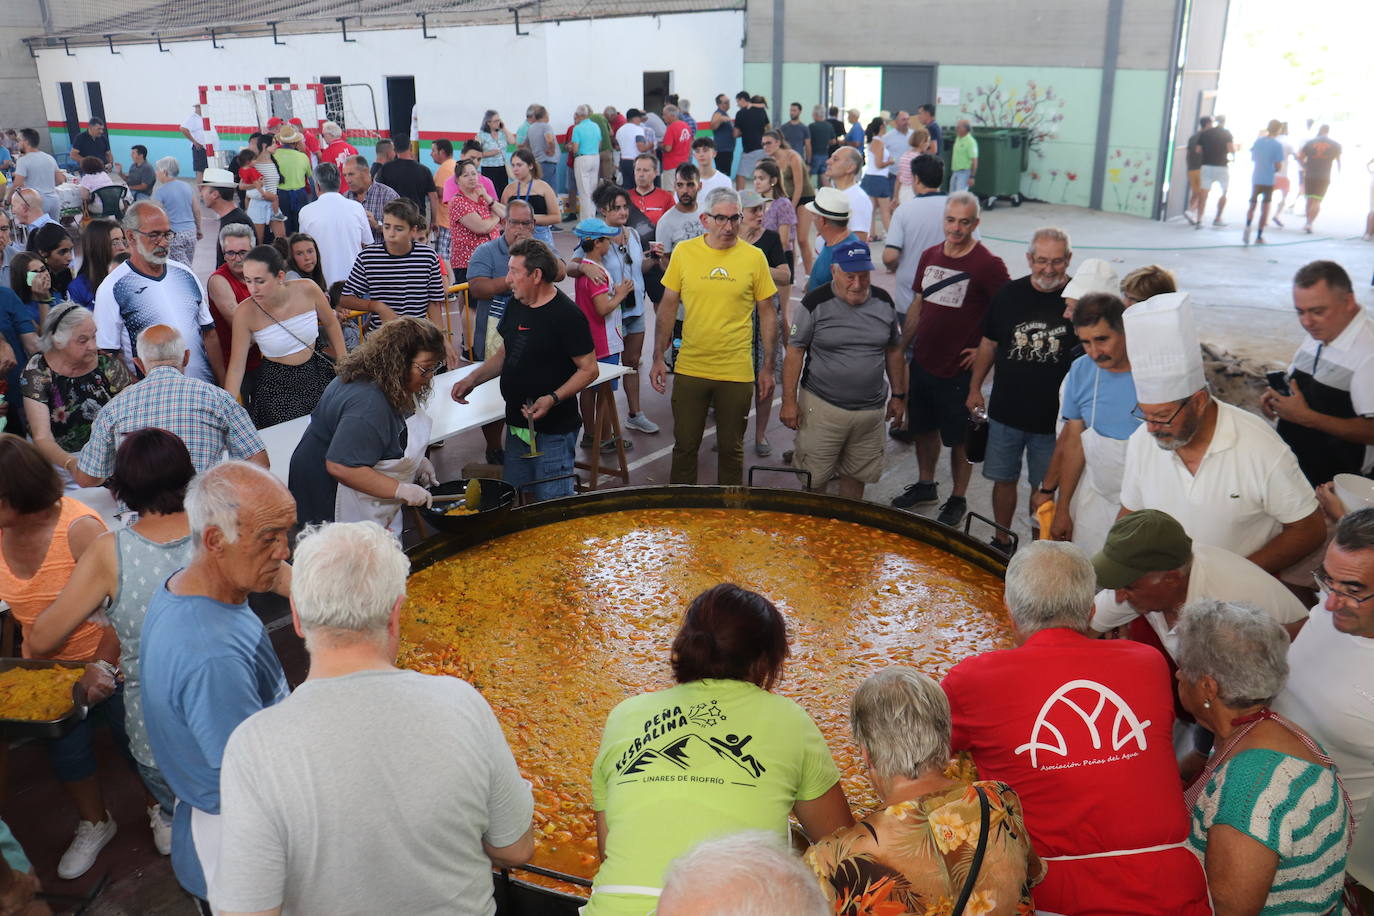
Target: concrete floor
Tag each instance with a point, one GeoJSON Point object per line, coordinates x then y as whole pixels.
{"type": "Point", "coordinates": [1243, 306]}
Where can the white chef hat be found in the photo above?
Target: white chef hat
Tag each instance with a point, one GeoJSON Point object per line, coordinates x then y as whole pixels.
{"type": "Point", "coordinates": [1093, 276]}
{"type": "Point", "coordinates": [1162, 343]}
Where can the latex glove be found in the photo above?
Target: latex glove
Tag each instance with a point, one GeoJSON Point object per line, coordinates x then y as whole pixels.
{"type": "Point", "coordinates": [414, 495]}
{"type": "Point", "coordinates": [426, 477]}
{"type": "Point", "coordinates": [98, 683]}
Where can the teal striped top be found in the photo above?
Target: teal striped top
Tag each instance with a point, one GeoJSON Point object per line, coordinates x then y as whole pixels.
{"type": "Point", "coordinates": [1292, 807]}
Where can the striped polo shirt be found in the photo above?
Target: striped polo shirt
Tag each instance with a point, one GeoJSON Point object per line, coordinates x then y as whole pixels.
{"type": "Point", "coordinates": [408, 283]}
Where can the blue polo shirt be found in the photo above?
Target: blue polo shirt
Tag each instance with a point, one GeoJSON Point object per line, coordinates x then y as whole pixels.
{"type": "Point", "coordinates": [820, 270]}
{"type": "Point", "coordinates": [207, 666]}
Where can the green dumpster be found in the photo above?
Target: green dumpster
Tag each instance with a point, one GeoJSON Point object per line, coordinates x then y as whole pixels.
{"type": "Point", "coordinates": [1003, 154]}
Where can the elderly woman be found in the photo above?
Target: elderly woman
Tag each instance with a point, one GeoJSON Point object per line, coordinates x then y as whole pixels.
{"type": "Point", "coordinates": [473, 218]}
{"type": "Point", "coordinates": [748, 756]}
{"type": "Point", "coordinates": [1271, 820]}
{"type": "Point", "coordinates": [103, 246]}
{"type": "Point", "coordinates": [178, 200]}
{"type": "Point", "coordinates": [67, 383]}
{"type": "Point", "coordinates": [287, 319]}
{"type": "Point", "coordinates": [43, 535]}
{"type": "Point", "coordinates": [918, 847]}
{"type": "Point", "coordinates": [54, 246]}
{"type": "Point", "coordinates": [359, 458]}
{"type": "Point", "coordinates": [119, 572]}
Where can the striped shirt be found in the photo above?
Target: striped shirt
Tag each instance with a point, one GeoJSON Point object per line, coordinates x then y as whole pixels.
{"type": "Point", "coordinates": [206, 418]}
{"type": "Point", "coordinates": [374, 201]}
{"type": "Point", "coordinates": [1290, 806]}
{"type": "Point", "coordinates": [408, 283]}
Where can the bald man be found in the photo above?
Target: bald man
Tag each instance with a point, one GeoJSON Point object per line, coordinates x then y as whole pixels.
{"type": "Point", "coordinates": [207, 661]}
{"type": "Point", "coordinates": [207, 419]}
{"type": "Point", "coordinates": [29, 215]}
{"type": "Point", "coordinates": [843, 170]}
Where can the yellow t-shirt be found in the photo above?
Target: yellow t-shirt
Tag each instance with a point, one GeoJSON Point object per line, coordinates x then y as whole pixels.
{"type": "Point", "coordinates": [720, 291]}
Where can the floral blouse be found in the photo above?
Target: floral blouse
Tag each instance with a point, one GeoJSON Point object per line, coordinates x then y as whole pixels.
{"type": "Point", "coordinates": [780, 213]}
{"type": "Point", "coordinates": [913, 857]}
{"type": "Point", "coordinates": [73, 402]}
{"type": "Point", "coordinates": [462, 239]}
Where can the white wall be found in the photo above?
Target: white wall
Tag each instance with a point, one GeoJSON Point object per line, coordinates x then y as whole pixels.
{"type": "Point", "coordinates": [558, 64]}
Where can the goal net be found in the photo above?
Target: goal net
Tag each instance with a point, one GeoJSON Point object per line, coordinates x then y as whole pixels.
{"type": "Point", "coordinates": [233, 113]}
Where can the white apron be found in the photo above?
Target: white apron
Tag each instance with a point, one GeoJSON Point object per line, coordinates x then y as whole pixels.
{"type": "Point", "coordinates": [1097, 499]}
{"type": "Point", "coordinates": [351, 505]}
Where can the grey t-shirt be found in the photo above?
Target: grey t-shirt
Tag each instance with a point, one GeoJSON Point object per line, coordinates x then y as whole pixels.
{"type": "Point", "coordinates": [143, 174]}
{"type": "Point", "coordinates": [796, 136]}
{"type": "Point", "coordinates": [846, 347]}
{"type": "Point", "coordinates": [537, 137]}
{"type": "Point", "coordinates": [894, 144]}
{"type": "Point", "coordinates": [368, 793]}
{"type": "Point", "coordinates": [175, 197]}
{"type": "Point", "coordinates": [39, 171]}
{"type": "Point", "coordinates": [675, 226]}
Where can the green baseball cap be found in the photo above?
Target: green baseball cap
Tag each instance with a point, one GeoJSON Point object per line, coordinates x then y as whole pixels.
{"type": "Point", "coordinates": [1142, 542]}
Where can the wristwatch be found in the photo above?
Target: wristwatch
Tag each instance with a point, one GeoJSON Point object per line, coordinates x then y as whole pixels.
{"type": "Point", "coordinates": [1047, 492]}
{"type": "Point", "coordinates": [900, 397]}
{"type": "Point", "coordinates": [556, 398]}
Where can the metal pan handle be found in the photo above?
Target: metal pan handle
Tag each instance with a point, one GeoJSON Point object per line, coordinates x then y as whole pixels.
{"type": "Point", "coordinates": [804, 474]}
{"type": "Point", "coordinates": [520, 493]}
{"type": "Point", "coordinates": [1012, 535]}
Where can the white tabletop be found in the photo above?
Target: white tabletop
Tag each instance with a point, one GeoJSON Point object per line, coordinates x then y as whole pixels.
{"type": "Point", "coordinates": [484, 405]}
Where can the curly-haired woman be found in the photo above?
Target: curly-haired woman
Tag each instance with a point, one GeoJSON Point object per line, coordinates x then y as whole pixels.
{"type": "Point", "coordinates": [358, 458]}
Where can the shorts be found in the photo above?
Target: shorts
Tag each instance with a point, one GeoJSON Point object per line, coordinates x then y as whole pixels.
{"type": "Point", "coordinates": [612, 360]}
{"type": "Point", "coordinates": [1195, 180]}
{"type": "Point", "coordinates": [261, 212]}
{"type": "Point", "coordinates": [748, 162]}
{"type": "Point", "coordinates": [199, 161]}
{"type": "Point", "coordinates": [632, 324]}
{"type": "Point", "coordinates": [1005, 445]}
{"type": "Point", "coordinates": [935, 403]}
{"type": "Point", "coordinates": [1216, 174]}
{"type": "Point", "coordinates": [1315, 188]}
{"type": "Point", "coordinates": [777, 344]}
{"type": "Point", "coordinates": [1265, 191]}
{"type": "Point", "coordinates": [877, 185]}
{"type": "Point", "coordinates": [834, 442]}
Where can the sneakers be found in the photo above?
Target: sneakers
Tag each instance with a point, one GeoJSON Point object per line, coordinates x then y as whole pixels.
{"type": "Point", "coordinates": [1219, 224]}
{"type": "Point", "coordinates": [920, 493]}
{"type": "Point", "coordinates": [1277, 222]}
{"type": "Point", "coordinates": [609, 445]}
{"type": "Point", "coordinates": [1189, 217]}
{"type": "Point", "coordinates": [1245, 236]}
{"type": "Point", "coordinates": [1259, 240]}
{"type": "Point", "coordinates": [900, 434]}
{"type": "Point", "coordinates": [496, 456]}
{"type": "Point", "coordinates": [86, 845]}
{"type": "Point", "coordinates": [952, 512]}
{"type": "Point", "coordinates": [162, 830]}
{"type": "Point", "coordinates": [763, 449]}
{"type": "Point", "coordinates": [586, 441]}
{"type": "Point", "coordinates": [642, 423]}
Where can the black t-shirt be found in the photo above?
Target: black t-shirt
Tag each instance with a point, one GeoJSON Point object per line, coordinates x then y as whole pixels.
{"type": "Point", "coordinates": [1216, 145]}
{"type": "Point", "coordinates": [540, 346]}
{"type": "Point", "coordinates": [86, 145]}
{"type": "Point", "coordinates": [407, 178]}
{"type": "Point", "coordinates": [822, 136]}
{"type": "Point", "coordinates": [233, 216]}
{"type": "Point", "coordinates": [770, 243]}
{"type": "Point", "coordinates": [751, 123]}
{"type": "Point", "coordinates": [1034, 344]}
{"type": "Point", "coordinates": [837, 126]}
{"type": "Point", "coordinates": [1194, 155]}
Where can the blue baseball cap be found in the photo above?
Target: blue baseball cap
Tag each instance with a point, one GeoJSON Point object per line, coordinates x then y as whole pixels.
{"type": "Point", "coordinates": [852, 258]}
{"type": "Point", "coordinates": [594, 228]}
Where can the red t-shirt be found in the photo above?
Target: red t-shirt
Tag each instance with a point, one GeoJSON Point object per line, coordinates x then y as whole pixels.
{"type": "Point", "coordinates": [337, 152]}
{"type": "Point", "coordinates": [677, 145]}
{"type": "Point", "coordinates": [654, 204]}
{"type": "Point", "coordinates": [1083, 729]}
{"type": "Point", "coordinates": [955, 294]}
{"type": "Point", "coordinates": [248, 174]}
{"type": "Point", "coordinates": [224, 328]}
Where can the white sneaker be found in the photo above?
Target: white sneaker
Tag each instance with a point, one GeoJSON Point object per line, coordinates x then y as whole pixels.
{"type": "Point", "coordinates": [86, 845]}
{"type": "Point", "coordinates": [162, 830]}
{"type": "Point", "coordinates": [641, 422]}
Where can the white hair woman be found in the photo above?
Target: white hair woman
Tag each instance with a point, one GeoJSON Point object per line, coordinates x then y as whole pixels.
{"type": "Point", "coordinates": [177, 198]}
{"type": "Point", "coordinates": [1271, 821]}
{"type": "Point", "coordinates": [935, 837]}
{"type": "Point", "coordinates": [750, 873]}
{"type": "Point", "coordinates": [66, 384]}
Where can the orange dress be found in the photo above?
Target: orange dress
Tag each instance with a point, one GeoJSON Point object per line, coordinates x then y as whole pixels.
{"type": "Point", "coordinates": [28, 598]}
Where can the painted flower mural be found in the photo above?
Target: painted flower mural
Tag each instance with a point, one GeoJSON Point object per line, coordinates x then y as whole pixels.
{"type": "Point", "coordinates": [1036, 109]}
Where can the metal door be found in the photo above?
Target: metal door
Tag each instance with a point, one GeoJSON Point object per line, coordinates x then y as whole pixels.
{"type": "Point", "coordinates": [906, 87]}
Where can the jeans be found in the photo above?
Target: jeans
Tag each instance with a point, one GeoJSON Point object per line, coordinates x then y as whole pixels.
{"type": "Point", "coordinates": [627, 173]}
{"type": "Point", "coordinates": [692, 398]}
{"type": "Point", "coordinates": [290, 203]}
{"type": "Point", "coordinates": [958, 181]}
{"type": "Point", "coordinates": [1005, 446]}
{"type": "Point", "coordinates": [557, 459]}
{"type": "Point", "coordinates": [73, 757]}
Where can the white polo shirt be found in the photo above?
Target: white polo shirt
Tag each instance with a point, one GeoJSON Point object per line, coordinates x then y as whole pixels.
{"type": "Point", "coordinates": [1218, 574]}
{"type": "Point", "coordinates": [340, 229]}
{"type": "Point", "coordinates": [1330, 692]}
{"type": "Point", "coordinates": [1247, 487]}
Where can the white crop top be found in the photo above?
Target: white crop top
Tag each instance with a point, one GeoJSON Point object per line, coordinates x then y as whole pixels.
{"type": "Point", "coordinates": [290, 335]}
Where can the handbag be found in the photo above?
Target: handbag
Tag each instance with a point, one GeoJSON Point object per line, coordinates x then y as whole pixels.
{"type": "Point", "coordinates": [977, 864]}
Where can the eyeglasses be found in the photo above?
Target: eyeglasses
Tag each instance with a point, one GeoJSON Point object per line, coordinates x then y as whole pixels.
{"type": "Point", "coordinates": [1140, 415]}
{"type": "Point", "coordinates": [429, 372]}
{"type": "Point", "coordinates": [235, 255]}
{"type": "Point", "coordinates": [164, 236]}
{"type": "Point", "coordinates": [733, 219]}
{"type": "Point", "coordinates": [1049, 262]}
{"type": "Point", "coordinates": [519, 222]}
{"type": "Point", "coordinates": [1325, 584]}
